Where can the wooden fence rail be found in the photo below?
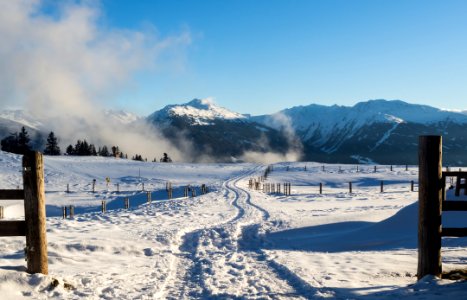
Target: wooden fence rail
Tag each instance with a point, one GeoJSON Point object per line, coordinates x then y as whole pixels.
{"type": "Point", "coordinates": [34, 225]}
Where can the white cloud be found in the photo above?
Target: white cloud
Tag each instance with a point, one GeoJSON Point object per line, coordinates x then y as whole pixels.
{"type": "Point", "coordinates": [63, 68]}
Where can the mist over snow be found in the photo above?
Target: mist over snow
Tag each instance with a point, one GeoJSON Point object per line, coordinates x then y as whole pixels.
{"type": "Point", "coordinates": [62, 68]}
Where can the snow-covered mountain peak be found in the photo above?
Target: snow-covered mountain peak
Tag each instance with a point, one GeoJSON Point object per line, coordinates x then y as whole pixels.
{"type": "Point", "coordinates": [22, 117]}
{"type": "Point", "coordinates": [199, 111]}
{"type": "Point", "coordinates": [121, 116]}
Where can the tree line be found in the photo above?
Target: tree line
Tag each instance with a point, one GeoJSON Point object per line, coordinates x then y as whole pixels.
{"type": "Point", "coordinates": [19, 143]}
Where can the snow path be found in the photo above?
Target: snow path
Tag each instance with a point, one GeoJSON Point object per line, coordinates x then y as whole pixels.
{"type": "Point", "coordinates": [225, 260]}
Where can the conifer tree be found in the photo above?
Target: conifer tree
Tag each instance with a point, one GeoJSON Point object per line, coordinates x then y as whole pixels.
{"type": "Point", "coordinates": [70, 150]}
{"type": "Point", "coordinates": [51, 147]}
{"type": "Point", "coordinates": [23, 141]}
{"type": "Point", "coordinates": [10, 143]}
{"type": "Point", "coordinates": [104, 151]}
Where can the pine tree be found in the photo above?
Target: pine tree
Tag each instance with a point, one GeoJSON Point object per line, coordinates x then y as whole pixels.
{"type": "Point", "coordinates": [115, 151]}
{"type": "Point", "coordinates": [51, 147]}
{"type": "Point", "coordinates": [23, 141]}
{"type": "Point", "coordinates": [92, 150]}
{"type": "Point", "coordinates": [70, 150]}
{"type": "Point", "coordinates": [104, 151]}
{"type": "Point", "coordinates": [10, 143]}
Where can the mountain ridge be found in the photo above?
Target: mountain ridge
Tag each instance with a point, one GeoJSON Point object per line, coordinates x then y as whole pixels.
{"type": "Point", "coordinates": [383, 131]}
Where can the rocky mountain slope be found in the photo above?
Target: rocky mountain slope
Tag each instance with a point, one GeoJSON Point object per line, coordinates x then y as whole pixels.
{"type": "Point", "coordinates": [375, 131]}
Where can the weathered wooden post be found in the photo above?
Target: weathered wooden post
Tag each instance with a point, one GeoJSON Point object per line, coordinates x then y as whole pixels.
{"type": "Point", "coordinates": [375, 169]}
{"type": "Point", "coordinates": [64, 212]}
{"type": "Point", "coordinates": [103, 206]}
{"type": "Point", "coordinates": [34, 212]}
{"type": "Point", "coordinates": [148, 196]}
{"type": "Point", "coordinates": [382, 187]}
{"type": "Point", "coordinates": [1, 212]}
{"type": "Point", "coordinates": [411, 186]}
{"type": "Point", "coordinates": [320, 188]}
{"type": "Point", "coordinates": [391, 167]}
{"type": "Point", "coordinates": [406, 167]}
{"type": "Point", "coordinates": [72, 211]}
{"type": "Point", "coordinates": [93, 185]}
{"type": "Point", "coordinates": [357, 168]}
{"type": "Point", "coordinates": [126, 202]}
{"type": "Point", "coordinates": [67, 187]}
{"type": "Point", "coordinates": [430, 201]}
{"type": "Point", "coordinates": [350, 187]}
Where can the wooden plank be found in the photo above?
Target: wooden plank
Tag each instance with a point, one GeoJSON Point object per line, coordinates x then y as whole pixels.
{"type": "Point", "coordinates": [454, 174]}
{"type": "Point", "coordinates": [454, 205]}
{"type": "Point", "coordinates": [429, 209]}
{"type": "Point", "coordinates": [456, 232]}
{"type": "Point", "coordinates": [34, 212]}
{"type": "Point", "coordinates": [12, 228]}
{"type": "Point", "coordinates": [11, 194]}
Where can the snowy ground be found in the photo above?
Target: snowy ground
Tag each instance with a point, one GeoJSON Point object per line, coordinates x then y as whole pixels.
{"type": "Point", "coordinates": [232, 243]}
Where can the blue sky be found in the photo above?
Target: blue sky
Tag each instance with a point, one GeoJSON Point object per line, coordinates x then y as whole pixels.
{"type": "Point", "coordinates": [260, 56]}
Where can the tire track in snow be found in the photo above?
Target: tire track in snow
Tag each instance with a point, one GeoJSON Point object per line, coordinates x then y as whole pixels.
{"type": "Point", "coordinates": [185, 245]}
{"type": "Point", "coordinates": [225, 261]}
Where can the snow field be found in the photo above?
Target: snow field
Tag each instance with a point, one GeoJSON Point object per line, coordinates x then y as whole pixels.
{"type": "Point", "coordinates": [232, 243]}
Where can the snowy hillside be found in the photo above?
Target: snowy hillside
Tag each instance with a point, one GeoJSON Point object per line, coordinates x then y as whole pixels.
{"type": "Point", "coordinates": [377, 130]}
{"type": "Point", "coordinates": [199, 112]}
{"type": "Point", "coordinates": [22, 118]}
{"type": "Point", "coordinates": [232, 243]}
{"type": "Point", "coordinates": [325, 120]}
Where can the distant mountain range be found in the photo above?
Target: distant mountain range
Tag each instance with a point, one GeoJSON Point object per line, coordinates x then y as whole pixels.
{"type": "Point", "coordinates": [375, 131]}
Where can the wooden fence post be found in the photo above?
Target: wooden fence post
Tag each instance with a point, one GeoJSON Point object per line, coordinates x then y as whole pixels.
{"type": "Point", "coordinates": [148, 196]}
{"type": "Point", "coordinates": [320, 188]}
{"type": "Point", "coordinates": [375, 169]}
{"type": "Point", "coordinates": [72, 211]}
{"type": "Point", "coordinates": [382, 186]}
{"type": "Point", "coordinates": [34, 212]}
{"type": "Point", "coordinates": [350, 187]}
{"type": "Point", "coordinates": [67, 187]}
{"type": "Point", "coordinates": [103, 206]}
{"type": "Point", "coordinates": [430, 201]}
{"type": "Point", "coordinates": [411, 186]}
{"type": "Point", "coordinates": [64, 212]}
